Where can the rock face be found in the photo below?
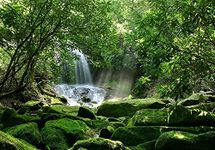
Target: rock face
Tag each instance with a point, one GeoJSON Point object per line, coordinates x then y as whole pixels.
{"type": "Point", "coordinates": [86, 113]}
{"type": "Point", "coordinates": [63, 133]}
{"type": "Point", "coordinates": [150, 117]}
{"type": "Point", "coordinates": [28, 132]}
{"type": "Point", "coordinates": [177, 116]}
{"type": "Point", "coordinates": [127, 107]}
{"type": "Point", "coordinates": [131, 136]}
{"type": "Point", "coordinates": [140, 124]}
{"type": "Point", "coordinates": [10, 118]}
{"type": "Point", "coordinates": [8, 142]}
{"type": "Point", "coordinates": [178, 140]}
{"type": "Point", "coordinates": [135, 135]}
{"type": "Point", "coordinates": [98, 144]}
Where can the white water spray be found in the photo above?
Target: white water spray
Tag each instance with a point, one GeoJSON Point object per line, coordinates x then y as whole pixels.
{"type": "Point", "coordinates": [83, 93]}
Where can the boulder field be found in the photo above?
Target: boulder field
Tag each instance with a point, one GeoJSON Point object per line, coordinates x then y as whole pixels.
{"type": "Point", "coordinates": [126, 124]}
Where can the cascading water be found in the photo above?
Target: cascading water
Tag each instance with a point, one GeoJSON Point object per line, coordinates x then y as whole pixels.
{"type": "Point", "coordinates": [83, 75]}
{"type": "Point", "coordinates": [83, 93]}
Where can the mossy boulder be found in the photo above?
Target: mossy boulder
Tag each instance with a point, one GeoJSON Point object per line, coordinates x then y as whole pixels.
{"type": "Point", "coordinates": [98, 144]}
{"type": "Point", "coordinates": [194, 99]}
{"type": "Point", "coordinates": [28, 132]}
{"type": "Point", "coordinates": [63, 133]}
{"type": "Point", "coordinates": [34, 104]}
{"type": "Point", "coordinates": [127, 107]}
{"type": "Point", "coordinates": [86, 113]}
{"type": "Point", "coordinates": [182, 116]}
{"type": "Point", "coordinates": [178, 140]}
{"type": "Point", "coordinates": [197, 98]}
{"type": "Point", "coordinates": [8, 142]}
{"type": "Point", "coordinates": [10, 118]}
{"type": "Point", "coordinates": [30, 106]}
{"type": "Point", "coordinates": [55, 139]}
{"type": "Point", "coordinates": [62, 109]}
{"type": "Point", "coordinates": [149, 117]}
{"type": "Point", "coordinates": [56, 101]}
{"type": "Point", "coordinates": [97, 124]}
{"type": "Point", "coordinates": [175, 116]}
{"type": "Point", "coordinates": [132, 136]}
{"type": "Point", "coordinates": [106, 132]}
{"type": "Point", "coordinates": [146, 146]}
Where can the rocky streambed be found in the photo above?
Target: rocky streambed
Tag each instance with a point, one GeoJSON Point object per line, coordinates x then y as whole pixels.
{"type": "Point", "coordinates": [126, 124]}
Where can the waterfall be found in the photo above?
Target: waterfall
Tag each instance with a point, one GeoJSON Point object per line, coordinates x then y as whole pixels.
{"type": "Point", "coordinates": [83, 74]}
{"type": "Point", "coordinates": [83, 92]}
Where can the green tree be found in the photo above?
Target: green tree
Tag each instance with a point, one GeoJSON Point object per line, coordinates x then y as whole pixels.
{"type": "Point", "coordinates": [32, 29]}
{"type": "Point", "coordinates": [175, 45]}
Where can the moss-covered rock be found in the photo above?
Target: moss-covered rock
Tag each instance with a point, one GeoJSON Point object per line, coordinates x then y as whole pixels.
{"type": "Point", "coordinates": [132, 136]}
{"type": "Point", "coordinates": [63, 133]}
{"type": "Point", "coordinates": [146, 146]}
{"type": "Point", "coordinates": [62, 109]}
{"type": "Point", "coordinates": [194, 99]}
{"type": "Point", "coordinates": [127, 107]}
{"type": "Point", "coordinates": [150, 117]}
{"type": "Point", "coordinates": [178, 140]}
{"type": "Point", "coordinates": [98, 144]}
{"type": "Point", "coordinates": [182, 116]}
{"type": "Point", "coordinates": [106, 132]}
{"type": "Point", "coordinates": [86, 113]}
{"type": "Point", "coordinates": [197, 98]}
{"type": "Point", "coordinates": [34, 104]}
{"type": "Point", "coordinates": [8, 142]}
{"type": "Point", "coordinates": [54, 139]}
{"type": "Point", "coordinates": [176, 116]}
{"type": "Point", "coordinates": [30, 106]}
{"type": "Point", "coordinates": [56, 101]}
{"type": "Point", "coordinates": [99, 123]}
{"type": "Point", "coordinates": [11, 118]}
{"type": "Point", "coordinates": [28, 132]}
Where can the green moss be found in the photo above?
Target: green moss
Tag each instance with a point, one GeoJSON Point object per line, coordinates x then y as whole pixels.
{"type": "Point", "coordinates": [28, 132]}
{"type": "Point", "coordinates": [67, 129]}
{"type": "Point", "coordinates": [32, 103]}
{"type": "Point", "coordinates": [56, 101]}
{"type": "Point", "coordinates": [98, 144]}
{"type": "Point", "coordinates": [68, 125]}
{"type": "Point", "coordinates": [10, 118]}
{"type": "Point", "coordinates": [86, 113]}
{"type": "Point", "coordinates": [175, 140]}
{"type": "Point", "coordinates": [146, 146]}
{"type": "Point", "coordinates": [176, 116]}
{"type": "Point", "coordinates": [132, 136]}
{"type": "Point", "coordinates": [97, 124]}
{"type": "Point", "coordinates": [149, 117]}
{"type": "Point", "coordinates": [178, 140]}
{"type": "Point", "coordinates": [127, 107]}
{"type": "Point", "coordinates": [183, 116]}
{"type": "Point", "coordinates": [62, 109]}
{"type": "Point", "coordinates": [54, 138]}
{"type": "Point", "coordinates": [8, 142]}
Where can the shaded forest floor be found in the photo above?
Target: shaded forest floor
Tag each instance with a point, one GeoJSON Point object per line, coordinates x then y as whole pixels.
{"type": "Point", "coordinates": [136, 124]}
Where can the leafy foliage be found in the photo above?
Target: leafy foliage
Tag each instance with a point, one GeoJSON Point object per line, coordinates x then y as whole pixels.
{"type": "Point", "coordinates": [175, 45]}
{"type": "Point", "coordinates": [169, 43]}
{"type": "Point", "coordinates": [36, 32]}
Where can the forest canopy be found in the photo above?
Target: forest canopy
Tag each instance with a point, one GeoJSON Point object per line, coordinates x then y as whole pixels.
{"type": "Point", "coordinates": [169, 43]}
